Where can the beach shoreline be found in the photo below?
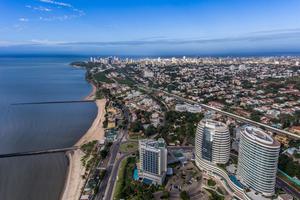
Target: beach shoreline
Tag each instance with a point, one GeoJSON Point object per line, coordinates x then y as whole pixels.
{"type": "Point", "coordinates": [74, 181]}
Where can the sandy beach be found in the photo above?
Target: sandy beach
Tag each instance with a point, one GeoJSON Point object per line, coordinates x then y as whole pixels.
{"type": "Point", "coordinates": [74, 181]}
{"type": "Point", "coordinates": [92, 95]}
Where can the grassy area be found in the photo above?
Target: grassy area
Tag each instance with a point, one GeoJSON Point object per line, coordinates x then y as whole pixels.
{"type": "Point", "coordinates": [101, 77]}
{"type": "Point", "coordinates": [182, 125]}
{"type": "Point", "coordinates": [125, 81]}
{"type": "Point", "coordinates": [184, 195]}
{"type": "Point", "coordinates": [119, 184]}
{"type": "Point", "coordinates": [127, 188]}
{"type": "Point", "coordinates": [129, 147]}
{"type": "Point", "coordinates": [136, 137]}
{"type": "Point", "coordinates": [211, 182]}
{"type": "Point", "coordinates": [90, 156]}
{"type": "Point", "coordinates": [214, 195]}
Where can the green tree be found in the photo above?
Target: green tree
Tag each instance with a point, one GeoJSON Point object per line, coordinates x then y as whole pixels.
{"type": "Point", "coordinates": [136, 126]}
{"type": "Point", "coordinates": [184, 195]}
{"type": "Point", "coordinates": [151, 130]}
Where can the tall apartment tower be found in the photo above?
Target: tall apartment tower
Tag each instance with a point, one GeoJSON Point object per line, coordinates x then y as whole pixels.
{"type": "Point", "coordinates": [212, 143]}
{"type": "Point", "coordinates": [153, 160]}
{"type": "Point", "coordinates": [258, 158]}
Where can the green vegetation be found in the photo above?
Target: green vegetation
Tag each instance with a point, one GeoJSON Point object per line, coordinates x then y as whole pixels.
{"type": "Point", "coordinates": [165, 195]}
{"type": "Point", "coordinates": [211, 182]}
{"type": "Point", "coordinates": [295, 81]}
{"type": "Point", "coordinates": [78, 63]}
{"type": "Point", "coordinates": [184, 195]}
{"type": "Point", "coordinates": [127, 188]}
{"type": "Point", "coordinates": [289, 120]}
{"type": "Point", "coordinates": [102, 174]}
{"type": "Point", "coordinates": [255, 116]}
{"type": "Point", "coordinates": [104, 152]}
{"type": "Point", "coordinates": [129, 147]}
{"type": "Point", "coordinates": [214, 195]}
{"type": "Point", "coordinates": [91, 157]}
{"type": "Point", "coordinates": [150, 130]}
{"type": "Point", "coordinates": [294, 143]}
{"type": "Point", "coordinates": [182, 125]}
{"type": "Point", "coordinates": [292, 184]}
{"type": "Point", "coordinates": [101, 77]}
{"type": "Point", "coordinates": [88, 147]}
{"type": "Point", "coordinates": [136, 136]}
{"type": "Point", "coordinates": [290, 167]}
{"type": "Point", "coordinates": [125, 81]}
{"type": "Point", "coordinates": [220, 190]}
{"type": "Point", "coordinates": [136, 126]}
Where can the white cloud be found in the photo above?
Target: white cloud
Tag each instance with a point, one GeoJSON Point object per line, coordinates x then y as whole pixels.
{"type": "Point", "coordinates": [58, 18]}
{"type": "Point", "coordinates": [22, 19]}
{"type": "Point", "coordinates": [39, 8]}
{"type": "Point", "coordinates": [44, 42]}
{"type": "Point", "coordinates": [80, 12]}
{"type": "Point", "coordinates": [33, 42]}
{"type": "Point", "coordinates": [57, 3]}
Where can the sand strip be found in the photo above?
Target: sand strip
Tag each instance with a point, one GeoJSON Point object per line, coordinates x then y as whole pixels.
{"type": "Point", "coordinates": [74, 181]}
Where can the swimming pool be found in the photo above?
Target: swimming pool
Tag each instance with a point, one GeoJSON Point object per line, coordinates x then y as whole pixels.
{"type": "Point", "coordinates": [135, 174]}
{"type": "Point", "coordinates": [235, 181]}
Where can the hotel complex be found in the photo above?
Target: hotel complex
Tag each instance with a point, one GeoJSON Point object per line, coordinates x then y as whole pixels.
{"type": "Point", "coordinates": [153, 160]}
{"type": "Point", "coordinates": [258, 158]}
{"type": "Point", "coordinates": [257, 161]}
{"type": "Point", "coordinates": [212, 142]}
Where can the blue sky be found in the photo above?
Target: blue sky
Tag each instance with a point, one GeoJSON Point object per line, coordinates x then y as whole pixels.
{"type": "Point", "coordinates": [149, 27]}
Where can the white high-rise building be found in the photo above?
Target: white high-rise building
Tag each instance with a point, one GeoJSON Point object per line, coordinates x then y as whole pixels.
{"type": "Point", "coordinates": [153, 160]}
{"type": "Point", "coordinates": [258, 158]}
{"type": "Point", "coordinates": [212, 143]}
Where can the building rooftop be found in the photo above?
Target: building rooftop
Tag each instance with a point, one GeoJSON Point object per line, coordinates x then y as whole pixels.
{"type": "Point", "coordinates": [157, 144]}
{"type": "Point", "coordinates": [259, 136]}
{"type": "Point", "coordinates": [213, 124]}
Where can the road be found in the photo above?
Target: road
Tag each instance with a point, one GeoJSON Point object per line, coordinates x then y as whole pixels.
{"type": "Point", "coordinates": [114, 174]}
{"type": "Point", "coordinates": [110, 170]}
{"type": "Point", "coordinates": [234, 116]}
{"type": "Point", "coordinates": [113, 154]}
{"type": "Point", "coordinates": [281, 184]}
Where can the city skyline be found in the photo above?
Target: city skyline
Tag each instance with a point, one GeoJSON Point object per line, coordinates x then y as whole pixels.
{"type": "Point", "coordinates": [149, 27]}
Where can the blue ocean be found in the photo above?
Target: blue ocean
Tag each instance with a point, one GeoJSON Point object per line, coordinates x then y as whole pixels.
{"type": "Point", "coordinates": [37, 127]}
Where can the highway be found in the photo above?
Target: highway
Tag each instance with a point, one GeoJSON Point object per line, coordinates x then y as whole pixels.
{"type": "Point", "coordinates": [109, 169]}
{"type": "Point", "coordinates": [234, 116]}
{"type": "Point", "coordinates": [111, 172]}
{"type": "Point", "coordinates": [111, 183]}
{"type": "Point", "coordinates": [282, 184]}
{"type": "Point", "coordinates": [32, 153]}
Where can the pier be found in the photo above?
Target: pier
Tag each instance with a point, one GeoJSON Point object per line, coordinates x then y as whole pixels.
{"type": "Point", "coordinates": [52, 102]}
{"type": "Point", "coordinates": [39, 152]}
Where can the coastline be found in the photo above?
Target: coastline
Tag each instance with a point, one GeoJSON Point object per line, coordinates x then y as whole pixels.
{"type": "Point", "coordinates": [74, 181]}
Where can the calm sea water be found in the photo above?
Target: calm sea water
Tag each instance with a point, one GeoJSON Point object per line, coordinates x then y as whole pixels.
{"type": "Point", "coordinates": [36, 127]}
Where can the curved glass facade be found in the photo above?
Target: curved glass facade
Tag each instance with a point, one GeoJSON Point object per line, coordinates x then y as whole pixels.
{"type": "Point", "coordinates": [212, 142]}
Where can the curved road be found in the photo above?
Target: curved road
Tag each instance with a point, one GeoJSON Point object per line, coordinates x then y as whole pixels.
{"type": "Point", "coordinates": [114, 174]}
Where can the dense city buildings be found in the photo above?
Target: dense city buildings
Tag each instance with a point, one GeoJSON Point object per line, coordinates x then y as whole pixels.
{"type": "Point", "coordinates": [203, 108]}
{"type": "Point", "coordinates": [258, 158]}
{"type": "Point", "coordinates": [153, 160]}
